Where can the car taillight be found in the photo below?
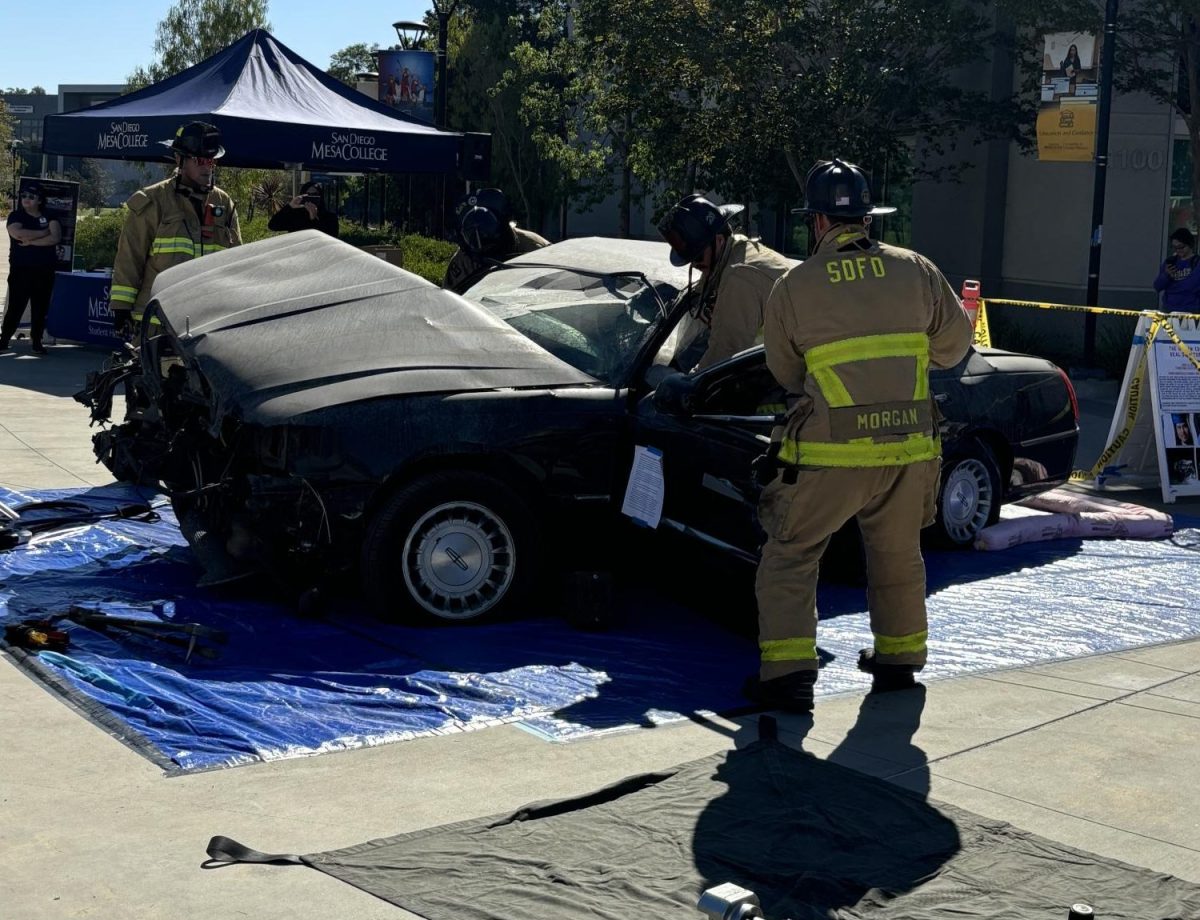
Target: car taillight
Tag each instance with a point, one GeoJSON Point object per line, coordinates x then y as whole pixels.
{"type": "Point", "coordinates": [1071, 393]}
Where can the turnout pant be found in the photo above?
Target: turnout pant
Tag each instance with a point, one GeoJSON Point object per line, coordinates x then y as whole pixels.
{"type": "Point", "coordinates": [27, 285]}
{"type": "Point", "coordinates": [892, 504]}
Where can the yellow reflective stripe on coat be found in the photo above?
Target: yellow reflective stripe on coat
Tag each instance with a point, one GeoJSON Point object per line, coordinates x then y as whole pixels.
{"type": "Point", "coordinates": [860, 452]}
{"type": "Point", "coordinates": [120, 293]}
{"type": "Point", "coordinates": [173, 245]}
{"type": "Point", "coordinates": [154, 320]}
{"type": "Point", "coordinates": [901, 645]}
{"type": "Point", "coordinates": [868, 347]}
{"type": "Point", "coordinates": [788, 649]}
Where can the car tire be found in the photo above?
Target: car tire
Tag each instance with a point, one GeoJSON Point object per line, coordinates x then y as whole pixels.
{"type": "Point", "coordinates": [450, 547]}
{"type": "Point", "coordinates": [970, 495]}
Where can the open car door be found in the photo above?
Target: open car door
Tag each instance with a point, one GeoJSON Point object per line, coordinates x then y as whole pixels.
{"type": "Point", "coordinates": [710, 426]}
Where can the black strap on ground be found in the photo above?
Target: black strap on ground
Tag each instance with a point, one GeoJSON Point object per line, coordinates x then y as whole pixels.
{"type": "Point", "coordinates": [225, 851]}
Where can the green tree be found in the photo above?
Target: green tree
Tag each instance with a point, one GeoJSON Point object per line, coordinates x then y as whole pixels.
{"type": "Point", "coordinates": [485, 95]}
{"type": "Point", "coordinates": [348, 63]}
{"type": "Point", "coordinates": [739, 96]}
{"type": "Point", "coordinates": [95, 184]}
{"type": "Point", "coordinates": [21, 91]}
{"type": "Point", "coordinates": [1158, 48]}
{"type": "Point", "coordinates": [193, 30]}
{"type": "Point", "coordinates": [6, 159]}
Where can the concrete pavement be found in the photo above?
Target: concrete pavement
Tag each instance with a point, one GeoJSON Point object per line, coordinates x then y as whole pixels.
{"type": "Point", "coordinates": [1098, 753]}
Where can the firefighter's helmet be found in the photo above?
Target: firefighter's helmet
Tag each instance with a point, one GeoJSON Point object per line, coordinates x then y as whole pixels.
{"type": "Point", "coordinates": [839, 189]}
{"type": "Point", "coordinates": [692, 225]}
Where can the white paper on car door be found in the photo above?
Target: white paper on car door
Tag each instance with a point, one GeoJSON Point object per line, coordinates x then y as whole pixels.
{"type": "Point", "coordinates": [644, 493]}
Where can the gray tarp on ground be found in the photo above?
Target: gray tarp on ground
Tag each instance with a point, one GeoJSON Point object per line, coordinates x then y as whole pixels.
{"type": "Point", "coordinates": [303, 321]}
{"type": "Point", "coordinates": [811, 838]}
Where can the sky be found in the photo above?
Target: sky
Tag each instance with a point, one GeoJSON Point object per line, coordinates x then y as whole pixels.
{"type": "Point", "coordinates": [106, 40]}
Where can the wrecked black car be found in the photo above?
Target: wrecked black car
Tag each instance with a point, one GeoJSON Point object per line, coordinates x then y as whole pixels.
{"type": "Point", "coordinates": [313, 410]}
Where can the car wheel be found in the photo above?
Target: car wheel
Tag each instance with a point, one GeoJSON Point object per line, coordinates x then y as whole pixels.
{"type": "Point", "coordinates": [450, 546]}
{"type": "Point", "coordinates": [970, 496]}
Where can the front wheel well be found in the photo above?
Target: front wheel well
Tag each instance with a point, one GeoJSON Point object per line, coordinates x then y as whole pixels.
{"type": "Point", "coordinates": [518, 476]}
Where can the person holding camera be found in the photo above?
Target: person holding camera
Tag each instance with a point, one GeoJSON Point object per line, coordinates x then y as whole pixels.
{"type": "Point", "coordinates": [1178, 280]}
{"type": "Point", "coordinates": [305, 211]}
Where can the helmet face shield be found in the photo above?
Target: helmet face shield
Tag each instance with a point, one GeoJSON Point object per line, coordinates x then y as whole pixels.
{"type": "Point", "coordinates": [480, 231]}
{"type": "Point", "coordinates": [692, 225]}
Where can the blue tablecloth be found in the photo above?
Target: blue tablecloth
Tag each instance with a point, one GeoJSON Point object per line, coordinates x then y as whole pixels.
{"type": "Point", "coordinates": [79, 310]}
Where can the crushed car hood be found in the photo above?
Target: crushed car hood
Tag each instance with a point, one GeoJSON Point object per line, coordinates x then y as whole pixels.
{"type": "Point", "coordinates": [302, 322]}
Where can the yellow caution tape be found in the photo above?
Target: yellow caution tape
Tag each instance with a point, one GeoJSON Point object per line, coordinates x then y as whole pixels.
{"type": "Point", "coordinates": [1133, 399]}
{"type": "Point", "coordinates": [983, 335]}
{"type": "Point", "coordinates": [1073, 308]}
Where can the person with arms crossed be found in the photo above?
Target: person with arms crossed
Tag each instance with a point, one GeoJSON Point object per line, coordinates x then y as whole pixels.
{"type": "Point", "coordinates": [33, 240]}
{"type": "Point", "coordinates": [181, 218]}
{"type": "Point", "coordinates": [854, 331]}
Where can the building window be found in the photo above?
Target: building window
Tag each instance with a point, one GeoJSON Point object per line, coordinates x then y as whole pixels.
{"type": "Point", "coordinates": [1182, 211]}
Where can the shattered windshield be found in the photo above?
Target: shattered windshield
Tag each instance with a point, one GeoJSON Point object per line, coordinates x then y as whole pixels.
{"type": "Point", "coordinates": [596, 323]}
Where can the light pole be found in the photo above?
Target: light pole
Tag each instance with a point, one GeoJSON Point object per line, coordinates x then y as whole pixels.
{"type": "Point", "coordinates": [444, 10]}
{"type": "Point", "coordinates": [13, 146]}
{"type": "Point", "coordinates": [1102, 120]}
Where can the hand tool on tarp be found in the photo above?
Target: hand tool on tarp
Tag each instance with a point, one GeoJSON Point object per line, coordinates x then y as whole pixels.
{"type": "Point", "coordinates": [16, 528]}
{"type": "Point", "coordinates": [36, 636]}
{"type": "Point", "coordinates": [184, 635]}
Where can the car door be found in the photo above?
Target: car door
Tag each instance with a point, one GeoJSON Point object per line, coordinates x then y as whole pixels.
{"type": "Point", "coordinates": [709, 428]}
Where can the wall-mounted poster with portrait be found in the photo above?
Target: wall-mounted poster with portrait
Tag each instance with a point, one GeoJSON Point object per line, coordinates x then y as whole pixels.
{"type": "Point", "coordinates": [406, 82]}
{"type": "Point", "coordinates": [1066, 124]}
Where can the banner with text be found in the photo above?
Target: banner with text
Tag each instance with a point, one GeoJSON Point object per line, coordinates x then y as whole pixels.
{"type": "Point", "coordinates": [1066, 123]}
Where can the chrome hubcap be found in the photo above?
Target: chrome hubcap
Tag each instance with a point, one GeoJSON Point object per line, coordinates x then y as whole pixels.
{"type": "Point", "coordinates": [967, 500]}
{"type": "Point", "coordinates": [459, 560]}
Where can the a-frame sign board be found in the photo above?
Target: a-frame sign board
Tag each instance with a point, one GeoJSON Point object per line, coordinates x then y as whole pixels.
{"type": "Point", "coordinates": [1157, 439]}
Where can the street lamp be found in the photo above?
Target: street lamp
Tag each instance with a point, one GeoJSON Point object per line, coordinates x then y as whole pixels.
{"type": "Point", "coordinates": [409, 33]}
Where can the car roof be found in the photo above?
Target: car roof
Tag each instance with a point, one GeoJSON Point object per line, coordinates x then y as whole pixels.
{"type": "Point", "coordinates": [611, 256]}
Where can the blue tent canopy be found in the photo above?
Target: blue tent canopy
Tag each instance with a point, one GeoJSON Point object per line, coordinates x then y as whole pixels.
{"type": "Point", "coordinates": [275, 110]}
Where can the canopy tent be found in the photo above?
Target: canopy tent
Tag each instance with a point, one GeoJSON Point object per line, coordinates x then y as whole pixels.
{"type": "Point", "coordinates": [275, 110]}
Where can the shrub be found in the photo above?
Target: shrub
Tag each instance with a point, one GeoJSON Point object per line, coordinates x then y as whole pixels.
{"type": "Point", "coordinates": [96, 236]}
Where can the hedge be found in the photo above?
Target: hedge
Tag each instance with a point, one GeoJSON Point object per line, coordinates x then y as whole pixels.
{"type": "Point", "coordinates": [97, 232]}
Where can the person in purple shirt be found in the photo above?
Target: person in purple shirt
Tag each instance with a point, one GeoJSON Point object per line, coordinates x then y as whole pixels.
{"type": "Point", "coordinates": [1179, 278]}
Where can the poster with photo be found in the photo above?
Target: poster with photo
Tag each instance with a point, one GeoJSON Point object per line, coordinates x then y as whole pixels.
{"type": "Point", "coordinates": [1175, 395]}
{"type": "Point", "coordinates": [406, 82]}
{"type": "Point", "coordinates": [1066, 123]}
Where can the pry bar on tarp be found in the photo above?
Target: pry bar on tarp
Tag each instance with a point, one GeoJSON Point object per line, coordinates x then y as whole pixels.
{"type": "Point", "coordinates": [184, 635]}
{"type": "Point", "coordinates": [16, 529]}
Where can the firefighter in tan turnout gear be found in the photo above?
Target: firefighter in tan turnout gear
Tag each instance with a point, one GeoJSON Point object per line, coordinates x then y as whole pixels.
{"type": "Point", "coordinates": [487, 235]}
{"type": "Point", "coordinates": [736, 276]}
{"type": "Point", "coordinates": [853, 331]}
{"type": "Point", "coordinates": [181, 218]}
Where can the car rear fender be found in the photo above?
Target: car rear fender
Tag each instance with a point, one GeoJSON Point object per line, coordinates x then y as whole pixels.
{"type": "Point", "coordinates": [999, 446]}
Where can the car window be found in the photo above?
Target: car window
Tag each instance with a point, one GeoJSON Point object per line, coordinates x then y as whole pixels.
{"type": "Point", "coordinates": [596, 323]}
{"type": "Point", "coordinates": [746, 389]}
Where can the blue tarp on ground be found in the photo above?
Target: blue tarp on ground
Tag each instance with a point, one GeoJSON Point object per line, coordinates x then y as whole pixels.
{"type": "Point", "coordinates": [285, 686]}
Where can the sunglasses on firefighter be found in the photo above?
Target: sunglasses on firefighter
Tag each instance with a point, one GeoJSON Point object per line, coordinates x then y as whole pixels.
{"type": "Point", "coordinates": [32, 196]}
{"type": "Point", "coordinates": [205, 161]}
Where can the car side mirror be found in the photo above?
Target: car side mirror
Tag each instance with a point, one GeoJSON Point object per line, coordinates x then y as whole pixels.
{"type": "Point", "coordinates": [676, 395]}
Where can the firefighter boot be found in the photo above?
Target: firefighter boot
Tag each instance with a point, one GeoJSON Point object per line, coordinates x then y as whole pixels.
{"type": "Point", "coordinates": [791, 693]}
{"type": "Point", "coordinates": [886, 677]}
